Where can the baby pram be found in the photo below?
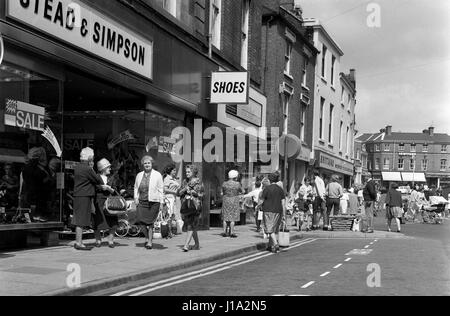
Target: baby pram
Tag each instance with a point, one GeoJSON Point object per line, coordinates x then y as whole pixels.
{"type": "Point", "coordinates": [127, 222]}
{"type": "Point", "coordinates": [434, 212]}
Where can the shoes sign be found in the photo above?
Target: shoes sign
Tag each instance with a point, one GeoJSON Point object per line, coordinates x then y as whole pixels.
{"type": "Point", "coordinates": [230, 88]}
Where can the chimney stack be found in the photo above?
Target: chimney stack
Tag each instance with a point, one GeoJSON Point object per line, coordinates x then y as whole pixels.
{"type": "Point", "coordinates": [431, 131]}
{"type": "Point", "coordinates": [388, 130]}
{"type": "Point", "coordinates": [426, 131]}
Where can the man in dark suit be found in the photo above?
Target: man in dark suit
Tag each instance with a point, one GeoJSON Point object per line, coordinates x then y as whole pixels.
{"type": "Point", "coordinates": [370, 196]}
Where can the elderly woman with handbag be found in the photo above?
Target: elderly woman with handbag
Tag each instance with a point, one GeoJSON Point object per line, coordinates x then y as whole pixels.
{"type": "Point", "coordinates": [191, 194]}
{"type": "Point", "coordinates": [86, 181]}
{"type": "Point", "coordinates": [149, 198]}
{"type": "Point", "coordinates": [102, 220]}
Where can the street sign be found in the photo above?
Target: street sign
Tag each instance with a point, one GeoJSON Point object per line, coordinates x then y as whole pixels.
{"type": "Point", "coordinates": [230, 88]}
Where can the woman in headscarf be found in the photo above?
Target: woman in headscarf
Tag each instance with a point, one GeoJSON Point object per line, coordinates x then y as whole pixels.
{"type": "Point", "coordinates": [171, 187]}
{"type": "Point", "coordinates": [191, 193]}
{"type": "Point", "coordinates": [149, 198]}
{"type": "Point", "coordinates": [231, 191]}
{"type": "Point", "coordinates": [103, 221]}
{"type": "Point", "coordinates": [86, 181]}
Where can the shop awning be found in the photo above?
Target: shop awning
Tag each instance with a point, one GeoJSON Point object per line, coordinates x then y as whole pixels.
{"type": "Point", "coordinates": [391, 176]}
{"type": "Point", "coordinates": [12, 155]}
{"type": "Point", "coordinates": [413, 177]}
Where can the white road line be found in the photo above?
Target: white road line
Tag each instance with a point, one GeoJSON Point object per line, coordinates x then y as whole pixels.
{"type": "Point", "coordinates": [307, 285]}
{"type": "Point", "coordinates": [366, 247]}
{"type": "Point", "coordinates": [203, 272]}
{"type": "Point", "coordinates": [338, 266]}
{"type": "Point", "coordinates": [348, 259]}
{"type": "Point", "coordinates": [198, 276]}
{"type": "Point", "coordinates": [325, 274]}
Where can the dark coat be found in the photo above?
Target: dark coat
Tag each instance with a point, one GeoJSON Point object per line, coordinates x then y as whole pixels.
{"type": "Point", "coordinates": [86, 181]}
{"type": "Point", "coordinates": [370, 192]}
{"type": "Point", "coordinates": [394, 198]}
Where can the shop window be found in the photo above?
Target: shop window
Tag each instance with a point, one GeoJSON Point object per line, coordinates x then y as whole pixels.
{"type": "Point", "coordinates": [29, 104]}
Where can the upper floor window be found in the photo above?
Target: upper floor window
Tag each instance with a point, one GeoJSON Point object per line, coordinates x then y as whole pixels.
{"type": "Point", "coordinates": [387, 147]}
{"type": "Point", "coordinates": [412, 164]}
{"type": "Point", "coordinates": [401, 147]}
{"type": "Point", "coordinates": [387, 164]}
{"type": "Point", "coordinates": [348, 142]}
{"type": "Point", "coordinates": [401, 164]}
{"type": "Point", "coordinates": [444, 149]}
{"type": "Point", "coordinates": [324, 61]}
{"type": "Point", "coordinates": [245, 33]}
{"type": "Point", "coordinates": [413, 148]}
{"type": "Point", "coordinates": [178, 8]}
{"type": "Point", "coordinates": [377, 164]}
{"type": "Point", "coordinates": [216, 23]}
{"type": "Point", "coordinates": [377, 147]}
{"type": "Point", "coordinates": [425, 148]}
{"type": "Point", "coordinates": [303, 123]}
{"type": "Point", "coordinates": [349, 101]}
{"type": "Point", "coordinates": [288, 57]}
{"type": "Point", "coordinates": [321, 125]}
{"type": "Point", "coordinates": [343, 96]}
{"type": "Point", "coordinates": [341, 135]}
{"type": "Point", "coordinates": [305, 72]}
{"type": "Point", "coordinates": [330, 126]}
{"type": "Point", "coordinates": [333, 70]}
{"type": "Point", "coordinates": [443, 164]}
{"type": "Point", "coordinates": [424, 165]}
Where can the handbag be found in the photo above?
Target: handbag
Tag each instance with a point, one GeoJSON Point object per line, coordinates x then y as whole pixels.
{"type": "Point", "coordinates": [115, 205]}
{"type": "Point", "coordinates": [190, 207]}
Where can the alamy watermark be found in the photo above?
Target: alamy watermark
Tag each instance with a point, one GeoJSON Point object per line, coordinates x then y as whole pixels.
{"type": "Point", "coordinates": [374, 278]}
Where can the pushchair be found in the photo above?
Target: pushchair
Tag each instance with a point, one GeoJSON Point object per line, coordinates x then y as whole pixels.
{"type": "Point", "coordinates": [434, 213]}
{"type": "Point", "coordinates": [127, 222]}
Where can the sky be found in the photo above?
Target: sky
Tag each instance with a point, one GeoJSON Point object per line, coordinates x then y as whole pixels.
{"type": "Point", "coordinates": [402, 67]}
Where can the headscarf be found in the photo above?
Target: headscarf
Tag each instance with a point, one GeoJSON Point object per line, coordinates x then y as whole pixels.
{"type": "Point", "coordinates": [38, 154]}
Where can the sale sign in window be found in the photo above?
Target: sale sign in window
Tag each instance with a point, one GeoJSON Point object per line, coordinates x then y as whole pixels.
{"type": "Point", "coordinates": [24, 115]}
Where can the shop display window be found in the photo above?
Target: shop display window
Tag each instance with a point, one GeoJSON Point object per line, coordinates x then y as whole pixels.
{"type": "Point", "coordinates": [29, 166]}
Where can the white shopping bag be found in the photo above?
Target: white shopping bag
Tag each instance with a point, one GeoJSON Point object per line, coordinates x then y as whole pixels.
{"type": "Point", "coordinates": [284, 237]}
{"type": "Point", "coordinates": [260, 216]}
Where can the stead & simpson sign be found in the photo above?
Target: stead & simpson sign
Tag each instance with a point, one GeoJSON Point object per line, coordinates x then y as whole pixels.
{"type": "Point", "coordinates": [78, 24]}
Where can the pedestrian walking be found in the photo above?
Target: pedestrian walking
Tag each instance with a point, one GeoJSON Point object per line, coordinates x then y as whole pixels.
{"type": "Point", "coordinates": [171, 187]}
{"type": "Point", "coordinates": [254, 196]}
{"type": "Point", "coordinates": [274, 209]}
{"type": "Point", "coordinates": [102, 220]}
{"type": "Point", "coordinates": [394, 208]}
{"type": "Point", "coordinates": [149, 198]}
{"type": "Point", "coordinates": [85, 184]}
{"type": "Point", "coordinates": [334, 194]}
{"type": "Point", "coordinates": [353, 202]}
{"type": "Point", "coordinates": [231, 192]}
{"type": "Point", "coordinates": [319, 204]}
{"type": "Point", "coordinates": [370, 197]}
{"type": "Point", "coordinates": [344, 202]}
{"type": "Point", "coordinates": [191, 193]}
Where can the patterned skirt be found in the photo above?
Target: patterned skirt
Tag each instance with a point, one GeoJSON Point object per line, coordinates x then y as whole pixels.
{"type": "Point", "coordinates": [272, 223]}
{"type": "Point", "coordinates": [231, 210]}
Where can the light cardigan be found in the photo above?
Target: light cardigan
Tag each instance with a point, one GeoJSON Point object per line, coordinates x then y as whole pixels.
{"type": "Point", "coordinates": [155, 189]}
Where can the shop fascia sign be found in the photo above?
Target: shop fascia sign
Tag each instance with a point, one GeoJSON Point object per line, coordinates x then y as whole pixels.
{"type": "Point", "coordinates": [78, 24]}
{"type": "Point", "coordinates": [329, 162]}
{"type": "Point", "coordinates": [230, 88]}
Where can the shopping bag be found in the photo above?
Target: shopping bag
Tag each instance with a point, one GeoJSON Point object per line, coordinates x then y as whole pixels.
{"type": "Point", "coordinates": [260, 215]}
{"type": "Point", "coordinates": [284, 237]}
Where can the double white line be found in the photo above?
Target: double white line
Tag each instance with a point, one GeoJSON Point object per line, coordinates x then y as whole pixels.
{"type": "Point", "coordinates": [203, 272]}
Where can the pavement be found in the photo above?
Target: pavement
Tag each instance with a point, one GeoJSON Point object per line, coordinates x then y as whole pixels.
{"type": "Point", "coordinates": [53, 271]}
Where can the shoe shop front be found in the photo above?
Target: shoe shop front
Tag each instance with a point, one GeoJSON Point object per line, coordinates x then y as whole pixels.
{"type": "Point", "coordinates": [74, 74]}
